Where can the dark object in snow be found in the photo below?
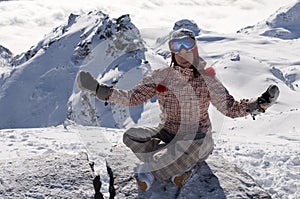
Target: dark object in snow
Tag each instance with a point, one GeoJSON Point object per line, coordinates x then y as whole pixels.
{"type": "Point", "coordinates": [112, 191]}
{"type": "Point", "coordinates": [235, 56]}
{"type": "Point", "coordinates": [97, 186]}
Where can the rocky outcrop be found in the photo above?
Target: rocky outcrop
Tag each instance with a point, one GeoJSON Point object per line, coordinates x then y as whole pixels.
{"type": "Point", "coordinates": [216, 179]}
{"type": "Point", "coordinates": [5, 56]}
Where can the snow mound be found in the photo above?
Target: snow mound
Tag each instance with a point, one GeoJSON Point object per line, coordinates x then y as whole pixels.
{"type": "Point", "coordinates": [284, 24]}
{"type": "Point", "coordinates": [216, 178]}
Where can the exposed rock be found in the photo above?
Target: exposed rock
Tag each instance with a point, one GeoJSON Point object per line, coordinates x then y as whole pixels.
{"type": "Point", "coordinates": [235, 56]}
{"type": "Point", "coordinates": [5, 56]}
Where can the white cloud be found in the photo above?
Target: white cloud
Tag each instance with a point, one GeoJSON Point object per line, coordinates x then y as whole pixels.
{"type": "Point", "coordinates": [24, 23]}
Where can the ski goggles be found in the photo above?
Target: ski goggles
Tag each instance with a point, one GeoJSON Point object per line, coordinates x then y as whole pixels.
{"type": "Point", "coordinates": [187, 43]}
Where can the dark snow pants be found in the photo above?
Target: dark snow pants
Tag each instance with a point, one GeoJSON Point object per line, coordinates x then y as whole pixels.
{"type": "Point", "coordinates": [166, 154]}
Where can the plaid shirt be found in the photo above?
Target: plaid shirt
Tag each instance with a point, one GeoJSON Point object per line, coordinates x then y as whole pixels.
{"type": "Point", "coordinates": [185, 104]}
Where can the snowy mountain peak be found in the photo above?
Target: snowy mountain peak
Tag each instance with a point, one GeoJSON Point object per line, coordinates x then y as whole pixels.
{"type": "Point", "coordinates": [44, 44]}
{"type": "Point", "coordinates": [94, 24]}
{"type": "Point", "coordinates": [123, 34]}
{"type": "Point", "coordinates": [284, 24]}
{"type": "Point", "coordinates": [43, 78]}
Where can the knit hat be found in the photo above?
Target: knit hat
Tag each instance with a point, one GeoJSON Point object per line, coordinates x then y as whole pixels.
{"type": "Point", "coordinates": [182, 33]}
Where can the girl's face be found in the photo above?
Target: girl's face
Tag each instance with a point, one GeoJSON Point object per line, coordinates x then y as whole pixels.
{"type": "Point", "coordinates": [184, 58]}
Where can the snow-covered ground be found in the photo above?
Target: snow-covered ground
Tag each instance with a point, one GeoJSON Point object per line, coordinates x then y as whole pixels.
{"type": "Point", "coordinates": [19, 144]}
{"type": "Point", "coordinates": [267, 148]}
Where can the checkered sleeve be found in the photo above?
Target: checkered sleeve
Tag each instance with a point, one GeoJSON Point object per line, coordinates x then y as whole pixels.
{"type": "Point", "coordinates": [223, 101]}
{"type": "Point", "coordinates": [144, 91]}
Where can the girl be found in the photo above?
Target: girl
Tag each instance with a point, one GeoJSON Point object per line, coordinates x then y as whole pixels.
{"type": "Point", "coordinates": [172, 149]}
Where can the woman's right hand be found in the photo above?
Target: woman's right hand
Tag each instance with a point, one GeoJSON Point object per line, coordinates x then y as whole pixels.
{"type": "Point", "coordinates": [86, 82]}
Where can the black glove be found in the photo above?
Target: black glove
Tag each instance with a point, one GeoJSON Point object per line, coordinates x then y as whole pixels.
{"type": "Point", "coordinates": [86, 82]}
{"type": "Point", "coordinates": [260, 104]}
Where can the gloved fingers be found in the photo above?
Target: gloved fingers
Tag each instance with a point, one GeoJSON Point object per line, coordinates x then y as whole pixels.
{"type": "Point", "coordinates": [262, 104]}
{"type": "Point", "coordinates": [269, 97]}
{"type": "Point", "coordinates": [85, 76]}
{"type": "Point", "coordinates": [273, 91]}
{"type": "Point", "coordinates": [78, 80]}
{"type": "Point", "coordinates": [86, 81]}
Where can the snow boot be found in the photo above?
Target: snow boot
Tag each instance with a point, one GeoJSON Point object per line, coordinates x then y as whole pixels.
{"type": "Point", "coordinates": [143, 177]}
{"type": "Point", "coordinates": [181, 179]}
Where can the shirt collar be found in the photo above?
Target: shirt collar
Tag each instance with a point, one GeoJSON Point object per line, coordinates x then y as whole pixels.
{"type": "Point", "coordinates": [187, 72]}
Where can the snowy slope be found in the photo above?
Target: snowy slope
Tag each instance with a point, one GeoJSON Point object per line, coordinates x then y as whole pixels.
{"type": "Point", "coordinates": [284, 24]}
{"type": "Point", "coordinates": [42, 80]}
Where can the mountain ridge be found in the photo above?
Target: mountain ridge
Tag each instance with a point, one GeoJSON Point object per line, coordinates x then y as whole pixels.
{"type": "Point", "coordinates": [34, 86]}
{"type": "Point", "coordinates": [283, 24]}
